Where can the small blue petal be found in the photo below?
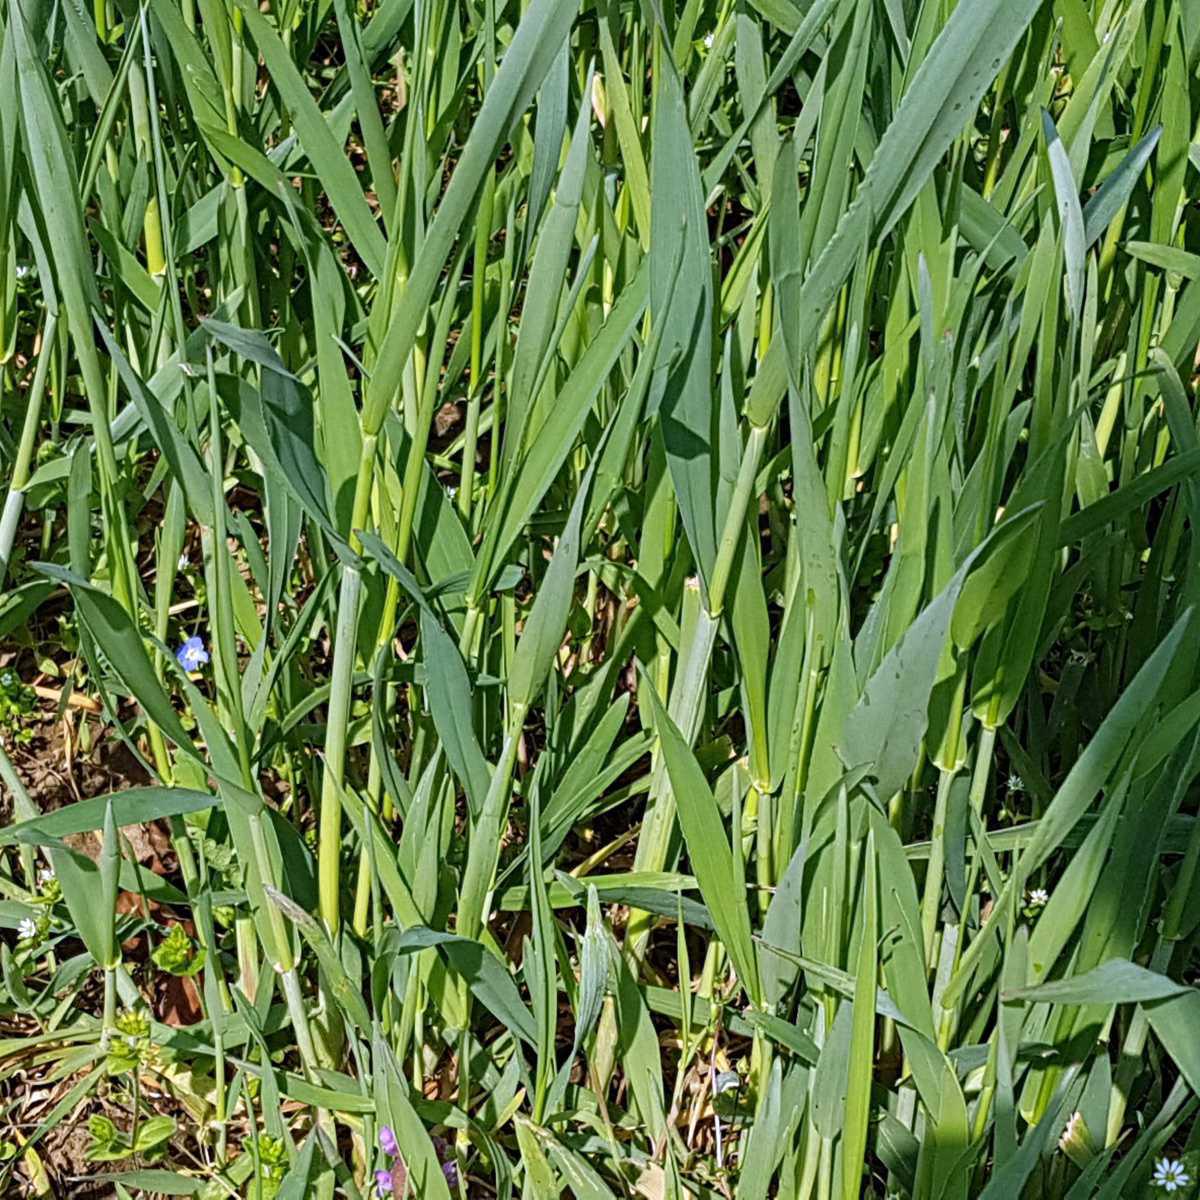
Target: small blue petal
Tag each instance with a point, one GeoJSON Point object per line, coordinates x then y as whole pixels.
{"type": "Point", "coordinates": [192, 654]}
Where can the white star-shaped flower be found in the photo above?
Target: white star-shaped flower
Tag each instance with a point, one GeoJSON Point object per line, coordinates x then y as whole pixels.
{"type": "Point", "coordinates": [28, 929]}
{"type": "Point", "coordinates": [1170, 1175]}
{"type": "Point", "coordinates": [1039, 898]}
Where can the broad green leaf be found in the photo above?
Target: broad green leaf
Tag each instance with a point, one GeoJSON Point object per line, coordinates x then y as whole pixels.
{"type": "Point", "coordinates": [1117, 981]}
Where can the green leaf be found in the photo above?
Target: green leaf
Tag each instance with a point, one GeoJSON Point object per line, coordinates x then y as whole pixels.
{"type": "Point", "coordinates": [1070, 216]}
{"type": "Point", "coordinates": [124, 650]}
{"type": "Point", "coordinates": [692, 429]}
{"type": "Point", "coordinates": [1174, 1021]}
{"type": "Point", "coordinates": [543, 631]}
{"type": "Point", "coordinates": [527, 61]}
{"type": "Point", "coordinates": [332, 166]}
{"type": "Point", "coordinates": [484, 974]}
{"type": "Point", "coordinates": [340, 988]}
{"type": "Point", "coordinates": [708, 845]}
{"type": "Point", "coordinates": [137, 806]}
{"type": "Point", "coordinates": [1117, 981]}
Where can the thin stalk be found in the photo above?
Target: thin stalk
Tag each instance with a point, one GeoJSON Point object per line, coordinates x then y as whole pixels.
{"type": "Point", "coordinates": [485, 837]}
{"type": "Point", "coordinates": [425, 393]}
{"type": "Point", "coordinates": [735, 518]}
{"type": "Point", "coordinates": [1131, 1062]}
{"type": "Point", "coordinates": [23, 809]}
{"type": "Point", "coordinates": [936, 869]}
{"type": "Point", "coordinates": [110, 1007]}
{"type": "Point", "coordinates": [979, 780]}
{"type": "Point", "coordinates": [156, 261]}
{"type": "Point", "coordinates": [299, 1016]}
{"type": "Point", "coordinates": [1181, 893]}
{"type": "Point", "coordinates": [685, 707]}
{"type": "Point", "coordinates": [483, 226]}
{"type": "Point", "coordinates": [14, 501]}
{"type": "Point", "coordinates": [338, 719]}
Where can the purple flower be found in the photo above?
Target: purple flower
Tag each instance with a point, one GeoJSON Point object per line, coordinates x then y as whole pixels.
{"type": "Point", "coordinates": [387, 1141]}
{"type": "Point", "coordinates": [383, 1183]}
{"type": "Point", "coordinates": [445, 1153]}
{"type": "Point", "coordinates": [192, 654]}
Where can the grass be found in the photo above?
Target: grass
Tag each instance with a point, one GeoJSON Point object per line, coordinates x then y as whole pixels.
{"type": "Point", "coordinates": [640, 563]}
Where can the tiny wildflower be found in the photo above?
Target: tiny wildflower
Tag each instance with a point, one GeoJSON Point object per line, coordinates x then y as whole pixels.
{"type": "Point", "coordinates": [45, 876]}
{"type": "Point", "coordinates": [708, 41]}
{"type": "Point", "coordinates": [387, 1142]}
{"type": "Point", "coordinates": [383, 1183]}
{"type": "Point", "coordinates": [1170, 1175]}
{"type": "Point", "coordinates": [192, 654]}
{"type": "Point", "coordinates": [184, 561]}
{"type": "Point", "coordinates": [24, 271]}
{"type": "Point", "coordinates": [7, 678]}
{"type": "Point", "coordinates": [1038, 898]}
{"type": "Point", "coordinates": [28, 929]}
{"type": "Point", "coordinates": [445, 1153]}
{"type": "Point", "coordinates": [1016, 783]}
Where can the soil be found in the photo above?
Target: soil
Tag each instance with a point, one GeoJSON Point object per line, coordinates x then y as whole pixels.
{"type": "Point", "coordinates": [56, 771]}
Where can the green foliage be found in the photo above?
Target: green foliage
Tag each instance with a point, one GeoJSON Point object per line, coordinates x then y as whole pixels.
{"type": "Point", "coordinates": [109, 1144]}
{"type": "Point", "coordinates": [645, 559]}
{"type": "Point", "coordinates": [17, 705]}
{"type": "Point", "coordinates": [273, 1164]}
{"type": "Point", "coordinates": [177, 954]}
{"type": "Point", "coordinates": [130, 1045]}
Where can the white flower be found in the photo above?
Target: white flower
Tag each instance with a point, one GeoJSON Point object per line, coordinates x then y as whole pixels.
{"type": "Point", "coordinates": [708, 41]}
{"type": "Point", "coordinates": [1170, 1175]}
{"type": "Point", "coordinates": [1016, 783]}
{"type": "Point", "coordinates": [28, 929]}
{"type": "Point", "coordinates": [1039, 898]}
{"type": "Point", "coordinates": [7, 678]}
{"type": "Point", "coordinates": [24, 270]}
{"type": "Point", "coordinates": [45, 875]}
{"type": "Point", "coordinates": [184, 561]}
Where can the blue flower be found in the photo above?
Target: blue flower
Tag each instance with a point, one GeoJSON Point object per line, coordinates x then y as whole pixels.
{"type": "Point", "coordinates": [192, 654]}
{"type": "Point", "coordinates": [383, 1183]}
